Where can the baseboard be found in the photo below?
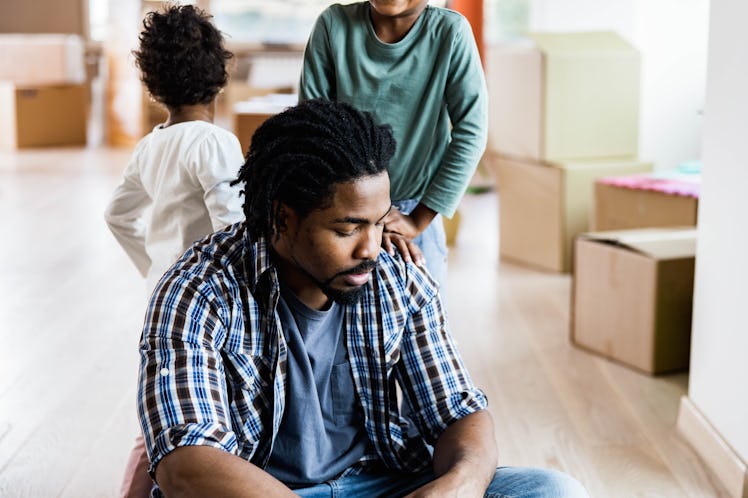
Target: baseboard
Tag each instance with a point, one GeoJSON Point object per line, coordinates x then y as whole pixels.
{"type": "Point", "coordinates": [721, 459]}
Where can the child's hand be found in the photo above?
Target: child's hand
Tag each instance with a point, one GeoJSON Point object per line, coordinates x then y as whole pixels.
{"type": "Point", "coordinates": [401, 224]}
{"type": "Point", "coordinates": [408, 250]}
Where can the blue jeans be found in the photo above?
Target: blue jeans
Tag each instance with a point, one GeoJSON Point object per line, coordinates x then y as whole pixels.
{"type": "Point", "coordinates": [433, 244]}
{"type": "Point", "coordinates": [508, 482]}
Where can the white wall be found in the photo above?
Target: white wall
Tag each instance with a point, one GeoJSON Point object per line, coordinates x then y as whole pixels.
{"type": "Point", "coordinates": [718, 383]}
{"type": "Point", "coordinates": [672, 38]}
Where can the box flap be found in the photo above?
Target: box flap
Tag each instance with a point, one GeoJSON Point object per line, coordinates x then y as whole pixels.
{"type": "Point", "coordinates": [658, 243]}
{"type": "Point", "coordinates": [580, 43]}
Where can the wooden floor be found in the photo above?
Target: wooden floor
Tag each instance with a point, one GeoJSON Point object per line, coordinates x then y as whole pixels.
{"type": "Point", "coordinates": [71, 305]}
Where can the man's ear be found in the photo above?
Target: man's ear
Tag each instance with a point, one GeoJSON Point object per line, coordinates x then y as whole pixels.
{"type": "Point", "coordinates": [286, 218]}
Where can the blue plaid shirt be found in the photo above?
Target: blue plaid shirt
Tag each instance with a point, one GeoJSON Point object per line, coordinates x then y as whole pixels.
{"type": "Point", "coordinates": [213, 357]}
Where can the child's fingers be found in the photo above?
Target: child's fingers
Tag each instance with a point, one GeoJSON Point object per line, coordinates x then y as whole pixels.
{"type": "Point", "coordinates": [387, 244]}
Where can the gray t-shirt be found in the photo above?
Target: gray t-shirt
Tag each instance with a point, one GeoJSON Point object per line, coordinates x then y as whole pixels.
{"type": "Point", "coordinates": [322, 431]}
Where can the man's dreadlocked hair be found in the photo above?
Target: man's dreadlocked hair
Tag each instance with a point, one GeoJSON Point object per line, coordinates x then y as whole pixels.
{"type": "Point", "coordinates": [297, 158]}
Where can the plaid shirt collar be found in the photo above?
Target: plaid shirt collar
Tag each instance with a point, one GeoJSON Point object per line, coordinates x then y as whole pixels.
{"type": "Point", "coordinates": [258, 263]}
{"type": "Point", "coordinates": [262, 277]}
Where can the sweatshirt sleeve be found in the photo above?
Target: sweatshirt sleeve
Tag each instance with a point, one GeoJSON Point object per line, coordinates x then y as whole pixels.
{"type": "Point", "coordinates": [318, 70]}
{"type": "Point", "coordinates": [124, 216]}
{"type": "Point", "coordinates": [217, 165]}
{"type": "Point", "coordinates": [467, 105]}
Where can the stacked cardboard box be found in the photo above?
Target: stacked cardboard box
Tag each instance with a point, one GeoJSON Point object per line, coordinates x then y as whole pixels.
{"type": "Point", "coordinates": [42, 59]}
{"type": "Point", "coordinates": [560, 96]}
{"type": "Point", "coordinates": [544, 205]}
{"type": "Point", "coordinates": [564, 110]}
{"type": "Point", "coordinates": [43, 95]}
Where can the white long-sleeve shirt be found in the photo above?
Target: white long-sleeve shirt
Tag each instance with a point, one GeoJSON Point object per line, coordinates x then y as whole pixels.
{"type": "Point", "coordinates": [174, 191]}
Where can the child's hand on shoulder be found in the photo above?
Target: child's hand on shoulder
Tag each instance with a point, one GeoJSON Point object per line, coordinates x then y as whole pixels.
{"type": "Point", "coordinates": [401, 224]}
{"type": "Point", "coordinates": [409, 251]}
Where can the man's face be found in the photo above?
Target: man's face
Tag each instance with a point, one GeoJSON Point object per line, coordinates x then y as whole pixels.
{"type": "Point", "coordinates": [331, 252]}
{"type": "Point", "coordinates": [398, 8]}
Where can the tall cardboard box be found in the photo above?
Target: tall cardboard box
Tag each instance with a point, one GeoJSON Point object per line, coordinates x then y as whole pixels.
{"type": "Point", "coordinates": [632, 295]}
{"type": "Point", "coordinates": [45, 16]}
{"type": "Point", "coordinates": [558, 96]}
{"type": "Point", "coordinates": [642, 201]}
{"type": "Point", "coordinates": [42, 115]}
{"type": "Point", "coordinates": [543, 205]}
{"type": "Point", "coordinates": [35, 59]}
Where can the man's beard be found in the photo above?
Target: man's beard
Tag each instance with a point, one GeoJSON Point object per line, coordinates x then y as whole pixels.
{"type": "Point", "coordinates": [345, 297]}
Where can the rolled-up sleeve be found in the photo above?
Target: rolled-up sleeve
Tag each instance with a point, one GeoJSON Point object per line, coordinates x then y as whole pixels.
{"type": "Point", "coordinates": [182, 396]}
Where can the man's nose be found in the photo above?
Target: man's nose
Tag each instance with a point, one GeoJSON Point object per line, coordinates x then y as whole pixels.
{"type": "Point", "coordinates": [369, 244]}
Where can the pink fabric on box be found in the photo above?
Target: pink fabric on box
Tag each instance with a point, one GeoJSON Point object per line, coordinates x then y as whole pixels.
{"type": "Point", "coordinates": [686, 185]}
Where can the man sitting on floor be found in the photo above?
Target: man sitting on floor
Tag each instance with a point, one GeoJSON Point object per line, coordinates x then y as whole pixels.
{"type": "Point", "coordinates": [273, 351]}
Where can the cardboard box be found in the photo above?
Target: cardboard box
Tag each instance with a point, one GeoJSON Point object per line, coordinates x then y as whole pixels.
{"type": "Point", "coordinates": [632, 296]}
{"type": "Point", "coordinates": [245, 124]}
{"type": "Point", "coordinates": [42, 115]}
{"type": "Point", "coordinates": [250, 114]}
{"type": "Point", "coordinates": [42, 59]}
{"type": "Point", "coordinates": [239, 91]}
{"type": "Point", "coordinates": [543, 205]}
{"type": "Point", "coordinates": [643, 204]}
{"type": "Point", "coordinates": [558, 96]}
{"type": "Point", "coordinates": [46, 16]}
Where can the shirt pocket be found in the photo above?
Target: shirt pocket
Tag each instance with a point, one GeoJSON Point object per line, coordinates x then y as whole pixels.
{"type": "Point", "coordinates": [343, 395]}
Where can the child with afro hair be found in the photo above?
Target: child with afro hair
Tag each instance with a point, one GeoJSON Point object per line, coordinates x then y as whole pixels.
{"type": "Point", "coordinates": [177, 186]}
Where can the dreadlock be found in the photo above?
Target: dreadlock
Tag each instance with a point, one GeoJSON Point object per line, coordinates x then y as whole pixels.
{"type": "Point", "coordinates": [181, 57]}
{"type": "Point", "coordinates": [297, 158]}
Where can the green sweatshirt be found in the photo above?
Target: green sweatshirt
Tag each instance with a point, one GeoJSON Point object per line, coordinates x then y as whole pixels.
{"type": "Point", "coordinates": [429, 87]}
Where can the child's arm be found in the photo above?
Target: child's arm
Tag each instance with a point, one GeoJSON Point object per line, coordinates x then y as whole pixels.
{"type": "Point", "coordinates": [124, 218]}
{"type": "Point", "coordinates": [409, 226]}
{"type": "Point", "coordinates": [217, 165]}
{"type": "Point", "coordinates": [467, 105]}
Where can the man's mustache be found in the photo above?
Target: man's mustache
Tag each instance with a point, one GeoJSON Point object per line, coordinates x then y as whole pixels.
{"type": "Point", "coordinates": [361, 268]}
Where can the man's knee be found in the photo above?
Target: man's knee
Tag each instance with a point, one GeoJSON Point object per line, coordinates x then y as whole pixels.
{"type": "Point", "coordinates": [526, 482]}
